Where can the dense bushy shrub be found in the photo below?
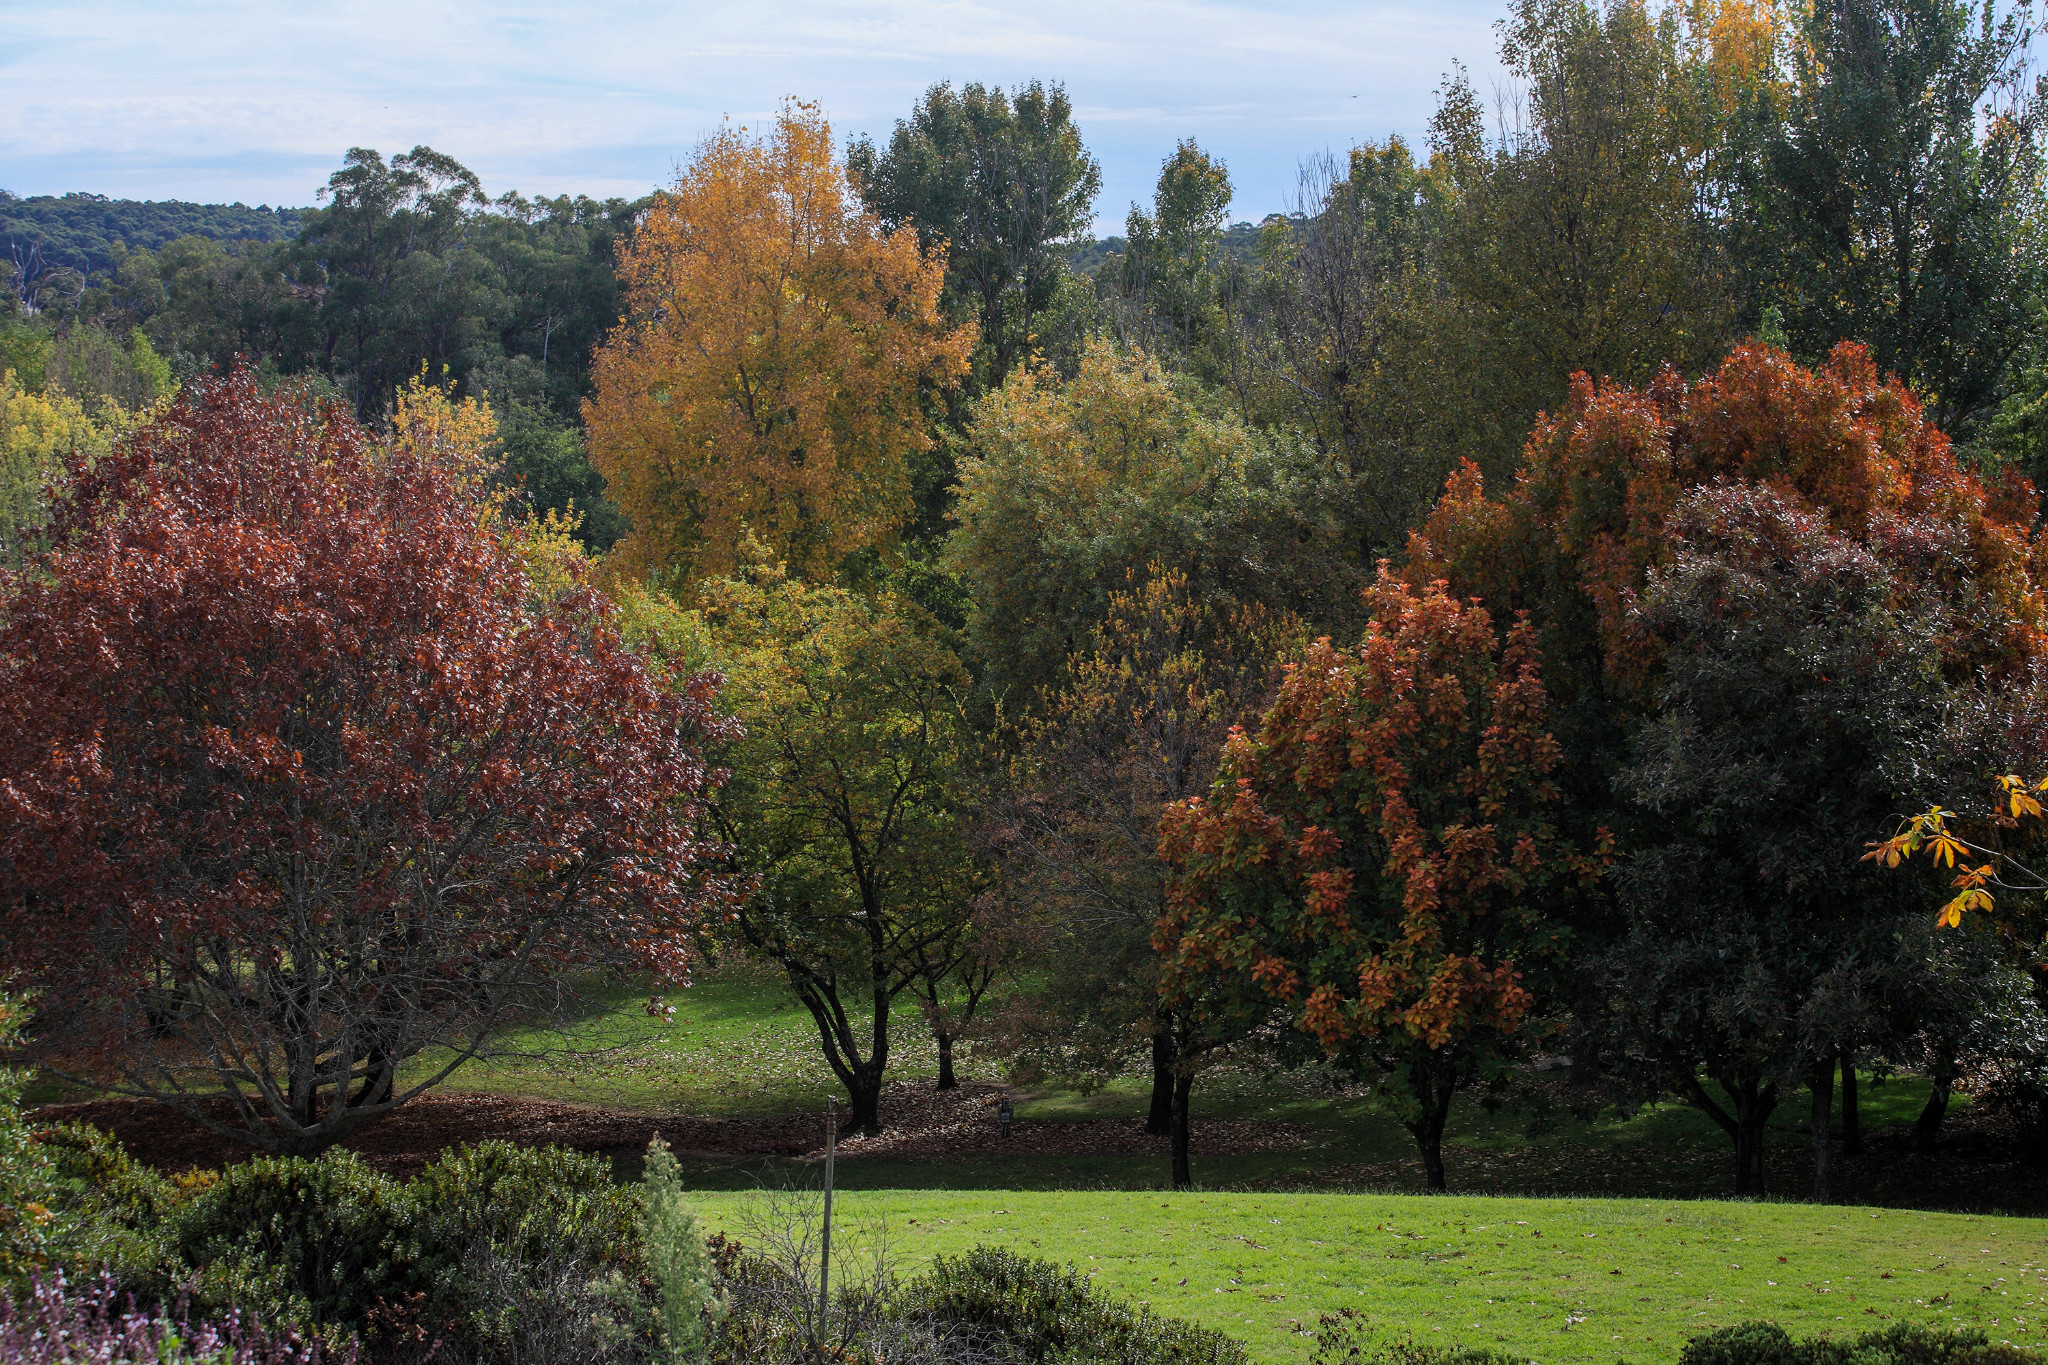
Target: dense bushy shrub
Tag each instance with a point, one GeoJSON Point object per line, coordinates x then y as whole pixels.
{"type": "Point", "coordinates": [531, 1254]}
{"type": "Point", "coordinates": [1902, 1343]}
{"type": "Point", "coordinates": [1023, 1309]}
{"type": "Point", "coordinates": [57, 1324]}
{"type": "Point", "coordinates": [686, 1298]}
{"type": "Point", "coordinates": [288, 1239]}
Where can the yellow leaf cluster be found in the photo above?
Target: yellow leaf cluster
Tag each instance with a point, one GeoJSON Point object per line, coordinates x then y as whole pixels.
{"type": "Point", "coordinates": [773, 365]}
{"type": "Point", "coordinates": [38, 432]}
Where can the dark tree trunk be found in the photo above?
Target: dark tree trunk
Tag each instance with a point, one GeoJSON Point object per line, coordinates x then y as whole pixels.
{"type": "Point", "coordinates": [1753, 1105]}
{"type": "Point", "coordinates": [1823, 1085]}
{"type": "Point", "coordinates": [946, 1079]}
{"type": "Point", "coordinates": [1183, 1176]}
{"type": "Point", "coordinates": [1433, 1095]}
{"type": "Point", "coordinates": [864, 1102]}
{"type": "Point", "coordinates": [1852, 1113]}
{"type": "Point", "coordinates": [1927, 1128]}
{"type": "Point", "coordinates": [1159, 1119]}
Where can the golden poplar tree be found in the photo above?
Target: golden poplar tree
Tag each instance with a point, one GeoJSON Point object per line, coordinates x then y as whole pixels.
{"type": "Point", "coordinates": [769, 371]}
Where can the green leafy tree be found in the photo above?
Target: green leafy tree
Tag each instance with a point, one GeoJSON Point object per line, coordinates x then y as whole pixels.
{"type": "Point", "coordinates": [1897, 199]}
{"type": "Point", "coordinates": [1135, 723]}
{"type": "Point", "coordinates": [1003, 182]}
{"type": "Point", "coordinates": [1073, 488]}
{"type": "Point", "coordinates": [845, 800]}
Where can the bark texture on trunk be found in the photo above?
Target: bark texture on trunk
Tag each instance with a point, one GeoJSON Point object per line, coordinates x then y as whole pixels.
{"type": "Point", "coordinates": [946, 1079]}
{"type": "Point", "coordinates": [1823, 1087]}
{"type": "Point", "coordinates": [864, 1108]}
{"type": "Point", "coordinates": [1183, 1175]}
{"type": "Point", "coordinates": [1159, 1118]}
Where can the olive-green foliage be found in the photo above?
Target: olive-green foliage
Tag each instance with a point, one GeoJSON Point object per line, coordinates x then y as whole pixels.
{"type": "Point", "coordinates": [1036, 1311]}
{"type": "Point", "coordinates": [515, 1246]}
{"type": "Point", "coordinates": [1902, 1343]}
{"type": "Point", "coordinates": [115, 1207]}
{"type": "Point", "coordinates": [676, 1260]}
{"type": "Point", "coordinates": [28, 1224]}
{"type": "Point", "coordinates": [290, 1239]}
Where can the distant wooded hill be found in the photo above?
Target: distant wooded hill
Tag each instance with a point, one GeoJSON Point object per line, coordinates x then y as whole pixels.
{"type": "Point", "coordinates": [80, 230]}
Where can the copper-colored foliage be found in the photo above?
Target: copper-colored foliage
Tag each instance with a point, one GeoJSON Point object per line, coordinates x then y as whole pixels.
{"type": "Point", "coordinates": [297, 782]}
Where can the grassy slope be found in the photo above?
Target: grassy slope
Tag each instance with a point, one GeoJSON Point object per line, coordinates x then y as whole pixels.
{"type": "Point", "coordinates": [741, 1046]}
{"type": "Point", "coordinates": [1534, 1277]}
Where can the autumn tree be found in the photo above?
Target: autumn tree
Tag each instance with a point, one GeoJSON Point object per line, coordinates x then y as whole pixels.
{"type": "Point", "coordinates": [770, 370]}
{"type": "Point", "coordinates": [845, 802]}
{"type": "Point", "coordinates": [1578, 541]}
{"type": "Point", "coordinates": [299, 782]}
{"type": "Point", "coordinates": [1136, 723]}
{"type": "Point", "coordinates": [1381, 857]}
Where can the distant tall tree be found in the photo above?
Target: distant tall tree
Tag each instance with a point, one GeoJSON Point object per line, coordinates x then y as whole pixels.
{"type": "Point", "coordinates": [1169, 253]}
{"type": "Point", "coordinates": [1583, 237]}
{"type": "Point", "coordinates": [771, 369]}
{"type": "Point", "coordinates": [1899, 197]}
{"type": "Point", "coordinates": [393, 246]}
{"type": "Point", "coordinates": [1002, 181]}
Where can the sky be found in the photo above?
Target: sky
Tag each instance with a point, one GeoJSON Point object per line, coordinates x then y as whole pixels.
{"type": "Point", "coordinates": [256, 100]}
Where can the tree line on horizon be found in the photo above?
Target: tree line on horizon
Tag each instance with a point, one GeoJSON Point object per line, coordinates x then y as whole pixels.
{"type": "Point", "coordinates": [1488, 613]}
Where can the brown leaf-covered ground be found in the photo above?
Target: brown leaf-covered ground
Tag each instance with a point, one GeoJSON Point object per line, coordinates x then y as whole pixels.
{"type": "Point", "coordinates": [923, 1124]}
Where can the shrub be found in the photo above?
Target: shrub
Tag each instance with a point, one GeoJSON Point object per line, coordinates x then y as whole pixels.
{"type": "Point", "coordinates": [292, 1240]}
{"type": "Point", "coordinates": [1904, 1343]}
{"type": "Point", "coordinates": [59, 1325]}
{"type": "Point", "coordinates": [532, 1253]}
{"type": "Point", "coordinates": [676, 1260]}
{"type": "Point", "coordinates": [1034, 1310]}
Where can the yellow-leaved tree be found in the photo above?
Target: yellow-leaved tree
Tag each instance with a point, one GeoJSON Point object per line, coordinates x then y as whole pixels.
{"type": "Point", "coordinates": [771, 368]}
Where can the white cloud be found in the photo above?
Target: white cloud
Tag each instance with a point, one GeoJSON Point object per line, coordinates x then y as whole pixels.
{"type": "Point", "coordinates": [257, 99]}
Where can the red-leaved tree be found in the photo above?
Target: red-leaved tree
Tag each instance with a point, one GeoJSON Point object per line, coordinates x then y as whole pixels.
{"type": "Point", "coordinates": [301, 778]}
{"type": "Point", "coordinates": [1380, 857]}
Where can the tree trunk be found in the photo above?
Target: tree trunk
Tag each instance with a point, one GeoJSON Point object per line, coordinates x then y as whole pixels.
{"type": "Point", "coordinates": [1823, 1085]}
{"type": "Point", "coordinates": [864, 1103]}
{"type": "Point", "coordinates": [946, 1079]}
{"type": "Point", "coordinates": [1852, 1113]}
{"type": "Point", "coordinates": [1183, 1177]}
{"type": "Point", "coordinates": [1159, 1120]}
{"type": "Point", "coordinates": [1433, 1095]}
{"type": "Point", "coordinates": [1753, 1105]}
{"type": "Point", "coordinates": [1927, 1127]}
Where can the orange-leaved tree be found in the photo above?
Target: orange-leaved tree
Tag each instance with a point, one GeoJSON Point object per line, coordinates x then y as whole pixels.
{"type": "Point", "coordinates": [1573, 541]}
{"type": "Point", "coordinates": [1381, 858]}
{"type": "Point", "coordinates": [770, 370]}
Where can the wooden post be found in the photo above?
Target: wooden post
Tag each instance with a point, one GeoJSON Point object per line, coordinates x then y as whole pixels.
{"type": "Point", "coordinates": [825, 1254]}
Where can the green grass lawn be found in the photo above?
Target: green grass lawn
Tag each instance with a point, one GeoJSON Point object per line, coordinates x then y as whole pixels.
{"type": "Point", "coordinates": [1545, 1279]}
{"type": "Point", "coordinates": [741, 1046]}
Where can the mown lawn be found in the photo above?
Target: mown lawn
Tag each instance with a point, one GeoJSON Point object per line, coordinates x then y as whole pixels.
{"type": "Point", "coordinates": [1546, 1279]}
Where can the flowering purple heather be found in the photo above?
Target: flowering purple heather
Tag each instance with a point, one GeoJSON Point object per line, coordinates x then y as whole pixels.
{"type": "Point", "coordinates": [57, 1324]}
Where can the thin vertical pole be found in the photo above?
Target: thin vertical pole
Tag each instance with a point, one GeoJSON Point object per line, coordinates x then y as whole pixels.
{"type": "Point", "coordinates": [825, 1256]}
